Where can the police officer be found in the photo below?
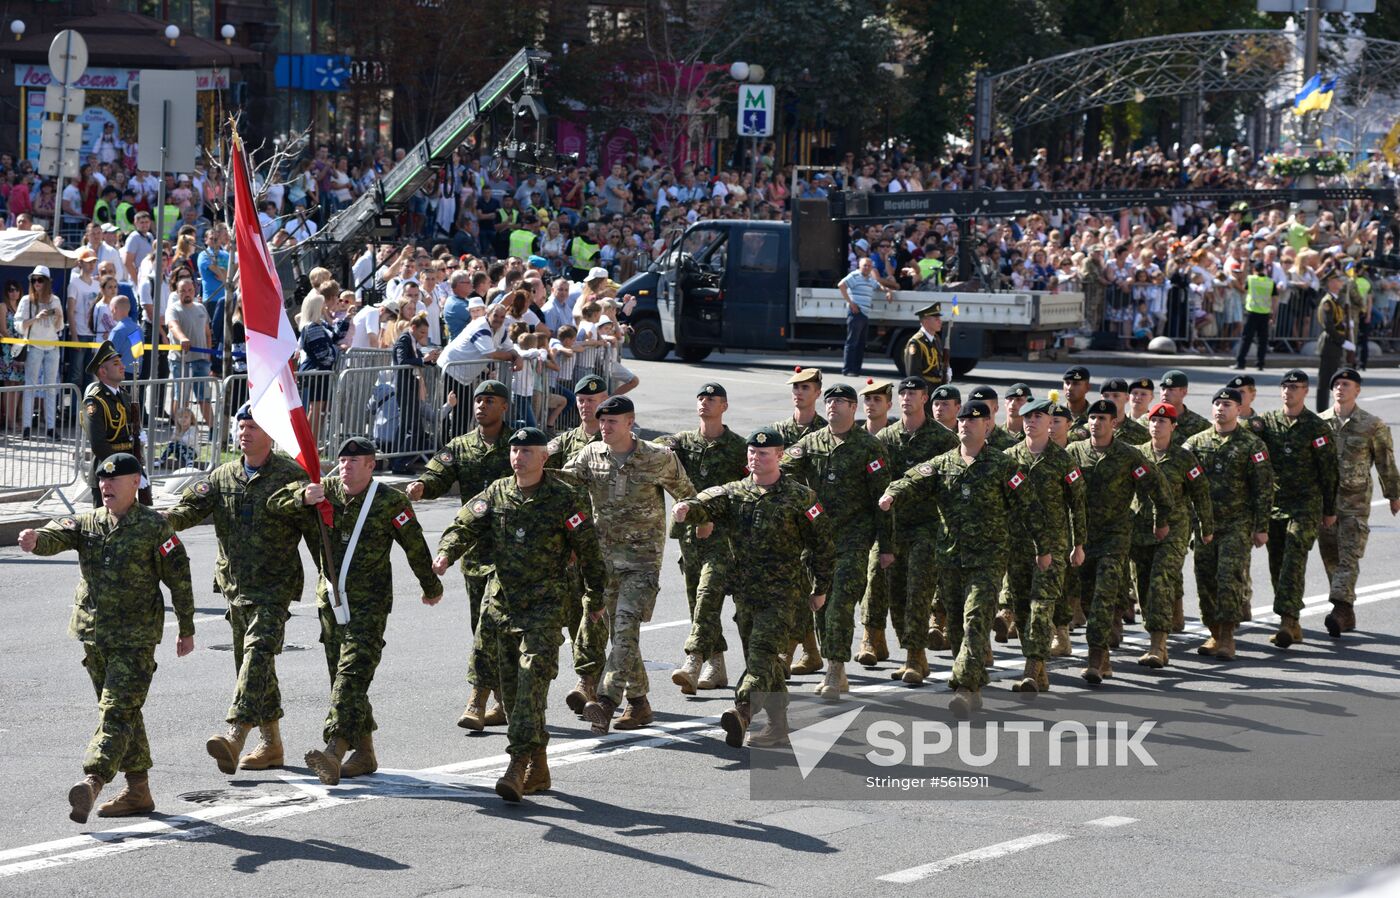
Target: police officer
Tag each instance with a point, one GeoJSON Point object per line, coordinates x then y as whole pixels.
{"type": "Point", "coordinates": [368, 517]}
{"type": "Point", "coordinates": [711, 455]}
{"type": "Point", "coordinates": [782, 563]}
{"type": "Point", "coordinates": [471, 461]}
{"type": "Point", "coordinates": [1305, 495]}
{"type": "Point", "coordinates": [125, 552]}
{"type": "Point", "coordinates": [1260, 307]}
{"type": "Point", "coordinates": [112, 420]}
{"type": "Point", "coordinates": [258, 572]}
{"type": "Point", "coordinates": [1236, 463]}
{"type": "Point", "coordinates": [528, 526]}
{"type": "Point", "coordinates": [924, 354]}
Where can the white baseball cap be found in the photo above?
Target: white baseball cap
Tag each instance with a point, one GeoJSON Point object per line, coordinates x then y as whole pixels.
{"type": "Point", "coordinates": [41, 271]}
{"type": "Point", "coordinates": [596, 272]}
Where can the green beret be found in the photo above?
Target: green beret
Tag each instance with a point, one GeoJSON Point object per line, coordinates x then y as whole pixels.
{"type": "Point", "coordinates": [491, 388]}
{"type": "Point", "coordinates": [1060, 410]}
{"type": "Point", "coordinates": [355, 446]}
{"type": "Point", "coordinates": [1017, 391]}
{"type": "Point", "coordinates": [590, 385]}
{"type": "Point", "coordinates": [947, 391]}
{"type": "Point", "coordinates": [1175, 378]}
{"type": "Point", "coordinates": [1037, 407]}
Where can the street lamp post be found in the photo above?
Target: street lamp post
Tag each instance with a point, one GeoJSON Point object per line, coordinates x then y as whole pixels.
{"type": "Point", "coordinates": [753, 74]}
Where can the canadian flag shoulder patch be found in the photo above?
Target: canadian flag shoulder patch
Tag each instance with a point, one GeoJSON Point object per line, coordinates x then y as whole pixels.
{"type": "Point", "coordinates": [1194, 472]}
{"type": "Point", "coordinates": [1073, 476]}
{"type": "Point", "coordinates": [876, 465]}
{"type": "Point", "coordinates": [1261, 456]}
{"type": "Point", "coordinates": [814, 512]}
{"type": "Point", "coordinates": [170, 545]}
{"type": "Point", "coordinates": [576, 520]}
{"type": "Point", "coordinates": [1016, 480]}
{"type": "Point", "coordinates": [1139, 472]}
{"type": "Point", "coordinates": [402, 518]}
{"type": "Point", "coordinates": [1320, 442]}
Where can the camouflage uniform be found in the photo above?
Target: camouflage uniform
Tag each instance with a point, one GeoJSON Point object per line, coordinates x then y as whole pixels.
{"type": "Point", "coordinates": [1000, 440]}
{"type": "Point", "coordinates": [706, 563]}
{"type": "Point", "coordinates": [353, 650]}
{"type": "Point", "coordinates": [1241, 494]}
{"type": "Point", "coordinates": [786, 548]}
{"type": "Point", "coordinates": [1112, 478]}
{"type": "Point", "coordinates": [1305, 478]}
{"type": "Point", "coordinates": [1017, 434]}
{"type": "Point", "coordinates": [471, 462]}
{"type": "Point", "coordinates": [589, 637]}
{"type": "Point", "coordinates": [913, 578]}
{"type": "Point", "coordinates": [531, 539]}
{"type": "Point", "coordinates": [119, 616]}
{"type": "Point", "coordinates": [1188, 424]}
{"type": "Point", "coordinates": [803, 620]}
{"type": "Point", "coordinates": [1056, 483]}
{"type": "Point", "coordinates": [977, 504]}
{"type": "Point", "coordinates": [629, 508]}
{"type": "Point", "coordinates": [849, 475]}
{"type": "Point", "coordinates": [1362, 440]}
{"type": "Point", "coordinates": [258, 571]}
{"type": "Point", "coordinates": [1158, 565]}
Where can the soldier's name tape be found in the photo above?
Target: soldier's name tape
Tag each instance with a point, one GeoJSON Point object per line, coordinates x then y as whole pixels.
{"type": "Point", "coordinates": [85, 344]}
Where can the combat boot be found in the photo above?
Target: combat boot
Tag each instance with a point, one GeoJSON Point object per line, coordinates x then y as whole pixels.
{"type": "Point", "coordinates": [830, 686]}
{"type": "Point", "coordinates": [1156, 655]}
{"type": "Point", "coordinates": [1225, 642]}
{"type": "Point", "coordinates": [1287, 626]}
{"type": "Point", "coordinates": [497, 715]}
{"type": "Point", "coordinates": [133, 800]}
{"type": "Point", "coordinates": [537, 772]}
{"type": "Point", "coordinates": [865, 655]}
{"type": "Point", "coordinates": [686, 675]}
{"type": "Point", "coordinates": [82, 795]}
{"type": "Point", "coordinates": [225, 747]}
{"type": "Point", "coordinates": [1003, 624]}
{"type": "Point", "coordinates": [775, 732]}
{"type": "Point", "coordinates": [1060, 646]}
{"type": "Point", "coordinates": [511, 785]}
{"type": "Point", "coordinates": [842, 684]}
{"type": "Point", "coordinates": [916, 668]}
{"type": "Point", "coordinates": [988, 658]}
{"type": "Point", "coordinates": [1079, 619]}
{"type": "Point", "coordinates": [811, 659]}
{"type": "Point", "coordinates": [268, 752]}
{"type": "Point", "coordinates": [1208, 647]}
{"type": "Point", "coordinates": [362, 761]}
{"type": "Point", "coordinates": [712, 674]}
{"type": "Point", "coordinates": [735, 722]}
{"type": "Point", "coordinates": [474, 716]}
{"type": "Point", "coordinates": [1348, 617]}
{"type": "Point", "coordinates": [599, 713]}
{"type": "Point", "coordinates": [584, 691]}
{"type": "Point", "coordinates": [1115, 633]}
{"type": "Point", "coordinates": [1106, 664]}
{"type": "Point", "coordinates": [938, 630]}
{"type": "Point", "coordinates": [1130, 615]}
{"type": "Point", "coordinates": [1246, 612]}
{"type": "Point", "coordinates": [1042, 677]}
{"type": "Point", "coordinates": [1091, 672]}
{"type": "Point", "coordinates": [325, 763]}
{"type": "Point", "coordinates": [882, 648]}
{"type": "Point", "coordinates": [1027, 682]}
{"type": "Point", "coordinates": [1178, 615]}
{"type": "Point", "coordinates": [637, 715]}
{"type": "Point", "coordinates": [965, 701]}
{"type": "Point", "coordinates": [786, 658]}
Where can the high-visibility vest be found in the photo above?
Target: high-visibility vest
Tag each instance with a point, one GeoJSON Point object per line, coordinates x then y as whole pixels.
{"type": "Point", "coordinates": [508, 216]}
{"type": "Point", "coordinates": [929, 267]}
{"type": "Point", "coordinates": [1259, 292]}
{"type": "Point", "coordinates": [126, 218]}
{"type": "Point", "coordinates": [584, 252]}
{"type": "Point", "coordinates": [104, 212]}
{"type": "Point", "coordinates": [522, 243]}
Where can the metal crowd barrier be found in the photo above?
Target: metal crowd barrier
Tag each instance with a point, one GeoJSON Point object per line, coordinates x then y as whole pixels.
{"type": "Point", "coordinates": [173, 450]}
{"type": "Point", "coordinates": [366, 358]}
{"type": "Point", "coordinates": [40, 463]}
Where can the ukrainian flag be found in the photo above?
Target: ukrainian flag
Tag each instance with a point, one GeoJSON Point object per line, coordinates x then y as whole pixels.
{"type": "Point", "coordinates": [1314, 95]}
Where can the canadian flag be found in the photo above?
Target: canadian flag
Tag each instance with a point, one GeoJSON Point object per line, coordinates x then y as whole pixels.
{"type": "Point", "coordinates": [1139, 472]}
{"type": "Point", "coordinates": [170, 545]}
{"type": "Point", "coordinates": [1072, 476]}
{"type": "Point", "coordinates": [1259, 456]}
{"type": "Point", "coordinates": [272, 387]}
{"type": "Point", "coordinates": [576, 520]}
{"type": "Point", "coordinates": [874, 466]}
{"type": "Point", "coordinates": [1016, 481]}
{"type": "Point", "coordinates": [1320, 442]}
{"type": "Point", "coordinates": [403, 518]}
{"type": "Point", "coordinates": [1194, 472]}
{"type": "Point", "coordinates": [814, 512]}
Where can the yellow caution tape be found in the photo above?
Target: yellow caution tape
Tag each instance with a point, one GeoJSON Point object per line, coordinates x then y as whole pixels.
{"type": "Point", "coordinates": [139, 347]}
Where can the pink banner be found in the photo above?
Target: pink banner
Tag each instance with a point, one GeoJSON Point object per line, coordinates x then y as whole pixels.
{"type": "Point", "coordinates": [570, 138]}
{"type": "Point", "coordinates": [619, 142]}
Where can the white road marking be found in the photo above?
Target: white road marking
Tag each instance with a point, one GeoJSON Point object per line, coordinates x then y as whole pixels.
{"type": "Point", "coordinates": [991, 852]}
{"type": "Point", "coordinates": [1111, 821]}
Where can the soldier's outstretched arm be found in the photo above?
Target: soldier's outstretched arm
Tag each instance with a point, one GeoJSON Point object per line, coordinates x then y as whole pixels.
{"type": "Point", "coordinates": [914, 485]}
{"type": "Point", "coordinates": [469, 532]}
{"type": "Point", "coordinates": [174, 566]}
{"type": "Point", "coordinates": [56, 536]}
{"type": "Point", "coordinates": [437, 477]}
{"type": "Point", "coordinates": [197, 502]}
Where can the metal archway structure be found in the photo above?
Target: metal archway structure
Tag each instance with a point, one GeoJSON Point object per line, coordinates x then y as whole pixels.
{"type": "Point", "coordinates": [1178, 65]}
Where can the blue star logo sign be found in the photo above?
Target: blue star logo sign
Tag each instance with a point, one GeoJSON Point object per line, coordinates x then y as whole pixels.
{"type": "Point", "coordinates": [330, 72]}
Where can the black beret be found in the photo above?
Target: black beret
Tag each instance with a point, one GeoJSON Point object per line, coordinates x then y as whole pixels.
{"type": "Point", "coordinates": [1103, 407]}
{"type": "Point", "coordinates": [491, 388]}
{"type": "Point", "coordinates": [1060, 410]}
{"type": "Point", "coordinates": [354, 446]}
{"type": "Point", "coordinates": [840, 391]}
{"type": "Point", "coordinates": [712, 390]}
{"type": "Point", "coordinates": [528, 436]}
{"type": "Point", "coordinates": [1295, 376]}
{"type": "Point", "coordinates": [947, 391]}
{"type": "Point", "coordinates": [1229, 393]}
{"type": "Point", "coordinates": [975, 409]}
{"type": "Point", "coordinates": [982, 393]}
{"type": "Point", "coordinates": [1350, 374]}
{"type": "Point", "coordinates": [766, 436]}
{"type": "Point", "coordinates": [590, 385]}
{"type": "Point", "coordinates": [1017, 391]}
{"type": "Point", "coordinates": [1076, 373]}
{"type": "Point", "coordinates": [118, 464]}
{"type": "Point", "coordinates": [1240, 380]}
{"type": "Point", "coordinates": [1114, 385]}
{"type": "Point", "coordinates": [913, 382]}
{"type": "Point", "coordinates": [1141, 383]}
{"type": "Point", "coordinates": [616, 405]}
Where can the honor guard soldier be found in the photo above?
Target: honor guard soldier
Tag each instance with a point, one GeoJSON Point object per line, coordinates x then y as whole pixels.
{"type": "Point", "coordinates": [112, 419]}
{"type": "Point", "coordinates": [924, 354]}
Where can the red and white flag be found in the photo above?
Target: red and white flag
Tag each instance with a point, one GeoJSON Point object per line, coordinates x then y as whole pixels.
{"type": "Point", "coordinates": [272, 386]}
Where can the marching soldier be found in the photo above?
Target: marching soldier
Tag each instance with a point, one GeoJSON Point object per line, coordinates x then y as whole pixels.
{"type": "Point", "coordinates": [946, 402]}
{"type": "Point", "coordinates": [1016, 396]}
{"type": "Point", "coordinates": [590, 637]}
{"type": "Point", "coordinates": [1157, 563]}
{"type": "Point", "coordinates": [1069, 614]}
{"type": "Point", "coordinates": [1305, 495]}
{"type": "Point", "coordinates": [471, 461]}
{"type": "Point", "coordinates": [1032, 593]}
{"type": "Point", "coordinates": [876, 397]}
{"type": "Point", "coordinates": [1114, 472]}
{"type": "Point", "coordinates": [1140, 395]}
{"type": "Point", "coordinates": [368, 518]}
{"type": "Point", "coordinates": [1236, 463]}
{"type": "Point", "coordinates": [1174, 386]}
{"type": "Point", "coordinates": [924, 354]}
{"type": "Point", "coordinates": [1335, 340]}
{"type": "Point", "coordinates": [913, 577]}
{"type": "Point", "coordinates": [258, 571]}
{"type": "Point", "coordinates": [1363, 442]}
{"type": "Point", "coordinates": [999, 439]}
{"type": "Point", "coordinates": [627, 478]}
{"type": "Point", "coordinates": [1249, 391]}
{"type": "Point", "coordinates": [847, 469]}
{"type": "Point", "coordinates": [113, 420]}
{"type": "Point", "coordinates": [979, 494]}
{"type": "Point", "coordinates": [711, 455]}
{"type": "Point", "coordinates": [785, 548]}
{"type": "Point", "coordinates": [1076, 394]}
{"type": "Point", "coordinates": [125, 552]}
{"type": "Point", "coordinates": [806, 386]}
{"type": "Point", "coordinates": [1134, 433]}
{"type": "Point", "coordinates": [528, 526]}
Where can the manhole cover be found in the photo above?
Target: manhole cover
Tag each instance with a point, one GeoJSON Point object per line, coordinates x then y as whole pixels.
{"type": "Point", "coordinates": [243, 797]}
{"type": "Point", "coordinates": [286, 647]}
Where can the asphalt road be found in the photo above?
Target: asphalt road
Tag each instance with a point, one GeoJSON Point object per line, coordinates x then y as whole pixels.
{"type": "Point", "coordinates": [665, 810]}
